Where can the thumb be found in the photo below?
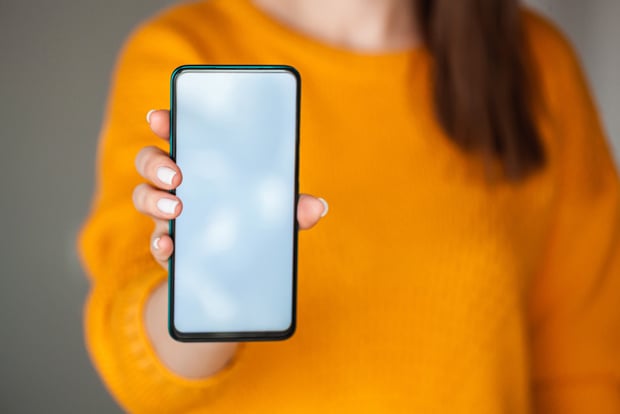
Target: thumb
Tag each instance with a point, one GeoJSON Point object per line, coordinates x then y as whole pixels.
{"type": "Point", "coordinates": [310, 209]}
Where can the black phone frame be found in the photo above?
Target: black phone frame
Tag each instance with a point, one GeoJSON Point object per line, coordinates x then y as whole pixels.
{"type": "Point", "coordinates": [234, 336]}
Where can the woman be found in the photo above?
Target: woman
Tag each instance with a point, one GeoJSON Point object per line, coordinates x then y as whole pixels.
{"type": "Point", "coordinates": [468, 263]}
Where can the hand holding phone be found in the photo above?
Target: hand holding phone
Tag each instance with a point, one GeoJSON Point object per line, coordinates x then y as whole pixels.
{"type": "Point", "coordinates": [155, 166]}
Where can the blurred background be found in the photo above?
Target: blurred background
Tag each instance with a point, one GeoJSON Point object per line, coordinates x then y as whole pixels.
{"type": "Point", "coordinates": [55, 65]}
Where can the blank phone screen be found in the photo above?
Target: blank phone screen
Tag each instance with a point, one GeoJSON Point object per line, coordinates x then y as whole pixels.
{"type": "Point", "coordinates": [235, 139]}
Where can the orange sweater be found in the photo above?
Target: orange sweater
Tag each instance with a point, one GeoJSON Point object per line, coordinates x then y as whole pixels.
{"type": "Point", "coordinates": [426, 289]}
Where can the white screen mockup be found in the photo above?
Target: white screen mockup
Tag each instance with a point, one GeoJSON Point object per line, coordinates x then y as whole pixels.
{"type": "Point", "coordinates": [235, 133]}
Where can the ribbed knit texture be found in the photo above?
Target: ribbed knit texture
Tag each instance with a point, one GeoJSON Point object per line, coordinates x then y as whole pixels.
{"type": "Point", "coordinates": [427, 288]}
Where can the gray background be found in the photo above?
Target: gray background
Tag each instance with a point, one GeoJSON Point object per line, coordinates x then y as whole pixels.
{"type": "Point", "coordinates": [55, 63]}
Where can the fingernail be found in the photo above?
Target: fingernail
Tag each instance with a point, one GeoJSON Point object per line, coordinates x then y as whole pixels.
{"type": "Point", "coordinates": [148, 115]}
{"type": "Point", "coordinates": [156, 243]}
{"type": "Point", "coordinates": [166, 174]}
{"type": "Point", "coordinates": [325, 207]}
{"type": "Point", "coordinates": [166, 205]}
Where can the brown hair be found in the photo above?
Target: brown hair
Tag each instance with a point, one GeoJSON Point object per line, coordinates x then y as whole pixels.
{"type": "Point", "coordinates": [482, 83]}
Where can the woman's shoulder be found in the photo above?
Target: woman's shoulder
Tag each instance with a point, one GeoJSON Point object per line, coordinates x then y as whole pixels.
{"type": "Point", "coordinates": [551, 49]}
{"type": "Point", "coordinates": [187, 25]}
{"type": "Point", "coordinates": [577, 137]}
{"type": "Point", "coordinates": [557, 70]}
{"type": "Point", "coordinates": [543, 33]}
{"type": "Point", "coordinates": [190, 15]}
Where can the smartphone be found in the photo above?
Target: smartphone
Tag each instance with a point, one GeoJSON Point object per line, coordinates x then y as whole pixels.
{"type": "Point", "coordinates": [234, 133]}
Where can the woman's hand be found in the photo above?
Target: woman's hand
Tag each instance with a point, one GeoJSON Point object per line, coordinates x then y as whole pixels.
{"type": "Point", "coordinates": [162, 174]}
{"type": "Point", "coordinates": [196, 360]}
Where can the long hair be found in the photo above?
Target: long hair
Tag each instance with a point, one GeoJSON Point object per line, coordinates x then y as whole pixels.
{"type": "Point", "coordinates": [482, 80]}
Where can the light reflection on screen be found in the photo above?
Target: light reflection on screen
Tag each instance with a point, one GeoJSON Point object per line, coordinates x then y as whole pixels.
{"type": "Point", "coordinates": [235, 134]}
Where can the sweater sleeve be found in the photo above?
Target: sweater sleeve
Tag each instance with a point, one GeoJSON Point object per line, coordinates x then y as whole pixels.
{"type": "Point", "coordinates": [575, 304]}
{"type": "Point", "coordinates": [114, 242]}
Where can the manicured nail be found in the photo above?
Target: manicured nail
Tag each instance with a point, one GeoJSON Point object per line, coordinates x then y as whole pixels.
{"type": "Point", "coordinates": [325, 207]}
{"type": "Point", "coordinates": [166, 174]}
{"type": "Point", "coordinates": [156, 243]}
{"type": "Point", "coordinates": [148, 115]}
{"type": "Point", "coordinates": [166, 205]}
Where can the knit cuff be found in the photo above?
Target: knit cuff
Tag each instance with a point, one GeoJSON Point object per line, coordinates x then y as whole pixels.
{"type": "Point", "coordinates": [123, 353]}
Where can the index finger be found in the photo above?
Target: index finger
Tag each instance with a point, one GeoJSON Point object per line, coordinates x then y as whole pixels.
{"type": "Point", "coordinates": [159, 120]}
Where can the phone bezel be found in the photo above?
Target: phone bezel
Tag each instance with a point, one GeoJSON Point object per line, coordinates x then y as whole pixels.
{"type": "Point", "coordinates": [234, 336]}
